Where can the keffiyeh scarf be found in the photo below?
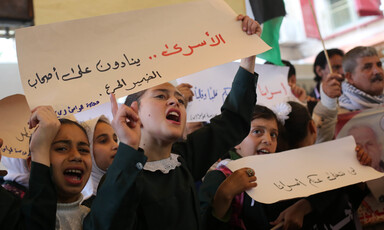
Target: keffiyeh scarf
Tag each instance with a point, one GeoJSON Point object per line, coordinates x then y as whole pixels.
{"type": "Point", "coordinates": [355, 99]}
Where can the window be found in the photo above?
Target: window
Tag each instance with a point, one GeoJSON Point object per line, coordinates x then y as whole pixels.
{"type": "Point", "coordinates": [342, 13]}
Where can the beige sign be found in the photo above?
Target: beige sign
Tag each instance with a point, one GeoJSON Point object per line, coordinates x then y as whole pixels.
{"type": "Point", "coordinates": [76, 65]}
{"type": "Point", "coordinates": [14, 117]}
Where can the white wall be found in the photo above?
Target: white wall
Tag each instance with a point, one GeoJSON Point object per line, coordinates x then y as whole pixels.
{"type": "Point", "coordinates": [9, 80]}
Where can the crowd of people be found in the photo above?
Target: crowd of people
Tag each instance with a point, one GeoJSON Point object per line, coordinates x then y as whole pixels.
{"type": "Point", "coordinates": [141, 170]}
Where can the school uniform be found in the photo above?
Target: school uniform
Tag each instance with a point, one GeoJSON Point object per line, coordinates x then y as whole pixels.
{"type": "Point", "coordinates": [330, 210]}
{"type": "Point", "coordinates": [71, 215]}
{"type": "Point", "coordinates": [161, 195]}
{"type": "Point", "coordinates": [37, 210]}
{"type": "Point", "coordinates": [17, 179]}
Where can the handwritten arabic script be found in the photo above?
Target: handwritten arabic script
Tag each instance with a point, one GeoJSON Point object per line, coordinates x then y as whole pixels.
{"type": "Point", "coordinates": [312, 179]}
{"type": "Point", "coordinates": [102, 66]}
{"type": "Point", "coordinates": [24, 135]}
{"type": "Point", "coordinates": [217, 40]}
{"type": "Point", "coordinates": [121, 84]}
{"type": "Point", "coordinates": [75, 109]}
{"type": "Point", "coordinates": [12, 151]}
{"type": "Point", "coordinates": [268, 94]}
{"type": "Point", "coordinates": [79, 72]}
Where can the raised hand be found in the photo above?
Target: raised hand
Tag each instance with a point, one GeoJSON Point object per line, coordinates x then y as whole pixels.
{"type": "Point", "coordinates": [126, 123]}
{"type": "Point", "coordinates": [47, 125]}
{"type": "Point", "coordinates": [299, 92]}
{"type": "Point", "coordinates": [251, 27]}
{"type": "Point", "coordinates": [185, 90]}
{"type": "Point", "coordinates": [332, 85]}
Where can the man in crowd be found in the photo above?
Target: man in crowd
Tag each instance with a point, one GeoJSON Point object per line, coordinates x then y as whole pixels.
{"type": "Point", "coordinates": [364, 84]}
{"type": "Point", "coordinates": [321, 68]}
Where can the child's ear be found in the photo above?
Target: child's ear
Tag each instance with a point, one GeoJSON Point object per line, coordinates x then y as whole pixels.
{"type": "Point", "coordinates": [312, 130]}
{"type": "Point", "coordinates": [312, 127]}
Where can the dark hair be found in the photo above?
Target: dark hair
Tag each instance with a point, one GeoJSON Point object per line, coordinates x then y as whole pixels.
{"type": "Point", "coordinates": [134, 97]}
{"type": "Point", "coordinates": [321, 60]}
{"type": "Point", "coordinates": [295, 127]}
{"type": "Point", "coordinates": [292, 69]}
{"type": "Point", "coordinates": [263, 112]}
{"type": "Point", "coordinates": [65, 121]}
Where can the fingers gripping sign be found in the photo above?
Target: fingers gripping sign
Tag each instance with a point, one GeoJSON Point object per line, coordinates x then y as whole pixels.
{"type": "Point", "coordinates": [126, 123]}
{"type": "Point", "coordinates": [240, 181]}
{"type": "Point", "coordinates": [249, 25]}
{"type": "Point", "coordinates": [363, 156]}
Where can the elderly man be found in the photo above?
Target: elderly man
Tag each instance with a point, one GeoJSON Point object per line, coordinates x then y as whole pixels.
{"type": "Point", "coordinates": [362, 89]}
{"type": "Point", "coordinates": [364, 84]}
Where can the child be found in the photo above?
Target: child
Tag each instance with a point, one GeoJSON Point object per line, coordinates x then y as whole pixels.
{"type": "Point", "coordinates": [38, 207]}
{"type": "Point", "coordinates": [150, 187]}
{"type": "Point", "coordinates": [222, 192]}
{"type": "Point", "coordinates": [103, 144]}
{"type": "Point", "coordinates": [224, 204]}
{"type": "Point", "coordinates": [70, 160]}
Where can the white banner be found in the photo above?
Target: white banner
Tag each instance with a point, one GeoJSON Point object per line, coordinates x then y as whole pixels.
{"type": "Point", "coordinates": [305, 171]}
{"type": "Point", "coordinates": [211, 87]}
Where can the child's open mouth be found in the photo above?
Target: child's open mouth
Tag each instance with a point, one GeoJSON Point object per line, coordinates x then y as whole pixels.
{"type": "Point", "coordinates": [174, 116]}
{"type": "Point", "coordinates": [73, 176]}
{"type": "Point", "coordinates": [262, 151]}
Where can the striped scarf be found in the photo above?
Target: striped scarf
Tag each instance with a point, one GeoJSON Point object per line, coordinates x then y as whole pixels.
{"type": "Point", "coordinates": [355, 99]}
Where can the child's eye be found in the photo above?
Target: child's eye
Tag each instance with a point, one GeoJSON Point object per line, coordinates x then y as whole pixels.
{"type": "Point", "coordinates": [257, 131]}
{"type": "Point", "coordinates": [181, 101]}
{"type": "Point", "coordinates": [103, 141]}
{"type": "Point", "coordinates": [61, 149]}
{"type": "Point", "coordinates": [84, 151]}
{"type": "Point", "coordinates": [160, 96]}
{"type": "Point", "coordinates": [274, 135]}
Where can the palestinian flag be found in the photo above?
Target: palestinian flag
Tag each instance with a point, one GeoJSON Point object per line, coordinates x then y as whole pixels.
{"type": "Point", "coordinates": [271, 14]}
